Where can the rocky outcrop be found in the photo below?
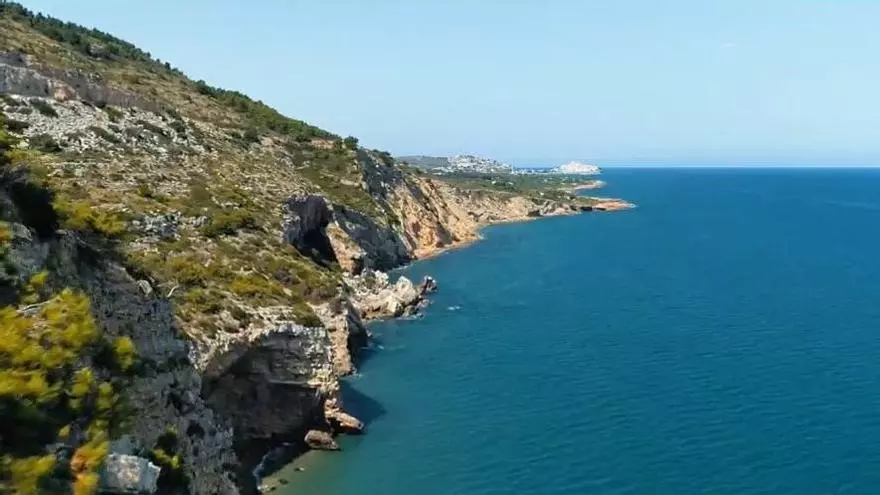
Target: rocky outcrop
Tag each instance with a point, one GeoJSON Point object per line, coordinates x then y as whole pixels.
{"type": "Point", "coordinates": [272, 381]}
{"type": "Point", "coordinates": [377, 246]}
{"type": "Point", "coordinates": [22, 74]}
{"type": "Point", "coordinates": [348, 334]}
{"type": "Point", "coordinates": [129, 474]}
{"type": "Point", "coordinates": [339, 420]}
{"type": "Point", "coordinates": [304, 227]}
{"type": "Point", "coordinates": [376, 297]}
{"type": "Point", "coordinates": [604, 204]}
{"type": "Point", "coordinates": [166, 392]}
{"type": "Point", "coordinates": [320, 440]}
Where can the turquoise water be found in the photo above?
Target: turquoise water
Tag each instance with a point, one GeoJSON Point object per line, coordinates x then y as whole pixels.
{"type": "Point", "coordinates": [722, 338]}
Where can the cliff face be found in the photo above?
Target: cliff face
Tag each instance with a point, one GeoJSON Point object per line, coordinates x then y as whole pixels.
{"type": "Point", "coordinates": [240, 251]}
{"type": "Point", "coordinates": [166, 391]}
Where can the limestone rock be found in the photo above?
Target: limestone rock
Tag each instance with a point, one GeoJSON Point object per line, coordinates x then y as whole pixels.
{"type": "Point", "coordinates": [376, 297]}
{"type": "Point", "coordinates": [22, 74]}
{"type": "Point", "coordinates": [428, 285]}
{"type": "Point", "coordinates": [320, 440]}
{"type": "Point", "coordinates": [162, 227]}
{"type": "Point", "coordinates": [340, 420]}
{"type": "Point", "coordinates": [129, 474]}
{"type": "Point", "coordinates": [305, 221]}
{"type": "Point", "coordinates": [347, 331]}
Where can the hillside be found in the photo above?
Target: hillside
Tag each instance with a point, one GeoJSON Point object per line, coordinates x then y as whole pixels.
{"type": "Point", "coordinates": [199, 265]}
{"type": "Point", "coordinates": [426, 162]}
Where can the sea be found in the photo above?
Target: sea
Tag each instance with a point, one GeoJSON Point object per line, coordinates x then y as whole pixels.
{"type": "Point", "coordinates": [722, 338]}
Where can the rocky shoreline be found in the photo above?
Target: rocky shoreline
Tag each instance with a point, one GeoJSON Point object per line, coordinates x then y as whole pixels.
{"type": "Point", "coordinates": [244, 299]}
{"type": "Point", "coordinates": [375, 298]}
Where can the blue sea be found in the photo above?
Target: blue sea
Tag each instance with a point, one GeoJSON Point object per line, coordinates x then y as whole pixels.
{"type": "Point", "coordinates": [722, 338]}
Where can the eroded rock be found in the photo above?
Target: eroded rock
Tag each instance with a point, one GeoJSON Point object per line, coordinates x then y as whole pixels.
{"type": "Point", "coordinates": [129, 474]}
{"type": "Point", "coordinates": [320, 440]}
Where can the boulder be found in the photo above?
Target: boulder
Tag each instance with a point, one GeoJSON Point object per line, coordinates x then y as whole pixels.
{"type": "Point", "coordinates": [129, 474]}
{"type": "Point", "coordinates": [428, 285]}
{"type": "Point", "coordinates": [340, 420]}
{"type": "Point", "coordinates": [320, 440]}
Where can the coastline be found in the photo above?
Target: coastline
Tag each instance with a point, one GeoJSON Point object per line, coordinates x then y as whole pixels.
{"type": "Point", "coordinates": [298, 460]}
{"type": "Point", "coordinates": [609, 205]}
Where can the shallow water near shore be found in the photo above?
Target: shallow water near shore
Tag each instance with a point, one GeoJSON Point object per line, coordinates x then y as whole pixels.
{"type": "Point", "coordinates": [724, 337]}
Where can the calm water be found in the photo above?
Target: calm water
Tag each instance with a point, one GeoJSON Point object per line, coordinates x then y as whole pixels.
{"type": "Point", "coordinates": [723, 338]}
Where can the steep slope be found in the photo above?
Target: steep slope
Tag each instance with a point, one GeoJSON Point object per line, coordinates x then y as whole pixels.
{"type": "Point", "coordinates": [231, 250]}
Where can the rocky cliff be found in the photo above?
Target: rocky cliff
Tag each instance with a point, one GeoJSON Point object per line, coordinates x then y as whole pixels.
{"type": "Point", "coordinates": [238, 251]}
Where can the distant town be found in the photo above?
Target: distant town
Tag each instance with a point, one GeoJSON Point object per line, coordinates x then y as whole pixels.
{"type": "Point", "coordinates": [476, 164]}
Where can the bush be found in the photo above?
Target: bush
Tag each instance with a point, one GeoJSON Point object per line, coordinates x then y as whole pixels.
{"type": "Point", "coordinates": [43, 388]}
{"type": "Point", "coordinates": [229, 223]}
{"type": "Point", "coordinates": [44, 143]}
{"type": "Point", "coordinates": [350, 142]}
{"type": "Point", "coordinates": [172, 477]}
{"type": "Point", "coordinates": [250, 135]}
{"type": "Point", "coordinates": [145, 191]}
{"type": "Point", "coordinates": [105, 134]}
{"type": "Point", "coordinates": [43, 107]}
{"type": "Point", "coordinates": [178, 126]}
{"type": "Point", "coordinates": [16, 126]}
{"type": "Point", "coordinates": [114, 114]}
{"type": "Point", "coordinates": [80, 216]}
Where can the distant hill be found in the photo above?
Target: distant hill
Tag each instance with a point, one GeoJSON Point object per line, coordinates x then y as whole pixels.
{"type": "Point", "coordinates": [427, 162]}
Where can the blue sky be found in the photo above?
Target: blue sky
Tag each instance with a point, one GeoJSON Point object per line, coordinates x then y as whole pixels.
{"type": "Point", "coordinates": [538, 82]}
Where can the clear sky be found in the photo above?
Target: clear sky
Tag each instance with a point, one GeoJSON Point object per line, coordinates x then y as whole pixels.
{"type": "Point", "coordinates": [538, 82]}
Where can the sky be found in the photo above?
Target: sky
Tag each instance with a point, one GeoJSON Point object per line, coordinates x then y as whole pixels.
{"type": "Point", "coordinates": [539, 82]}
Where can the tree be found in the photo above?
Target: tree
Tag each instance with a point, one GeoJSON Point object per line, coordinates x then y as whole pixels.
{"type": "Point", "coordinates": [350, 142]}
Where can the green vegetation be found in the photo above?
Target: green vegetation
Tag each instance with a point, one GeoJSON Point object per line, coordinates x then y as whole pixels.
{"type": "Point", "coordinates": [43, 107]}
{"type": "Point", "coordinates": [45, 387]}
{"type": "Point", "coordinates": [172, 478]}
{"type": "Point", "coordinates": [52, 381]}
{"type": "Point", "coordinates": [350, 142]}
{"type": "Point", "coordinates": [261, 115]}
{"type": "Point", "coordinates": [105, 134]}
{"type": "Point", "coordinates": [16, 126]}
{"type": "Point", "coordinates": [79, 215]}
{"type": "Point", "coordinates": [384, 157]}
{"type": "Point", "coordinates": [90, 42]}
{"type": "Point", "coordinates": [229, 223]}
{"type": "Point", "coordinates": [44, 143]}
{"type": "Point", "coordinates": [555, 187]}
{"type": "Point", "coordinates": [178, 126]}
{"type": "Point", "coordinates": [114, 114]}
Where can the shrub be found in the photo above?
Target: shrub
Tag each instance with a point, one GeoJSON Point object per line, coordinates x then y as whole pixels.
{"type": "Point", "coordinates": [125, 353]}
{"type": "Point", "coordinates": [229, 223]}
{"type": "Point", "coordinates": [79, 215]}
{"type": "Point", "coordinates": [43, 387]}
{"type": "Point", "coordinates": [144, 190]}
{"type": "Point", "coordinates": [114, 114]}
{"type": "Point", "coordinates": [350, 142]}
{"type": "Point", "coordinates": [250, 135]}
{"type": "Point", "coordinates": [16, 126]}
{"type": "Point", "coordinates": [43, 107]}
{"type": "Point", "coordinates": [172, 477]}
{"type": "Point", "coordinates": [10, 101]}
{"type": "Point", "coordinates": [178, 126]}
{"type": "Point", "coordinates": [105, 134]}
{"type": "Point", "coordinates": [44, 143]}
